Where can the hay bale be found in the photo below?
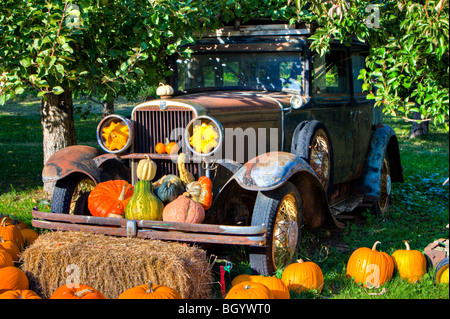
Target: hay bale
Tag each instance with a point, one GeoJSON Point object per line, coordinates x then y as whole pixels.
{"type": "Point", "coordinates": [113, 264]}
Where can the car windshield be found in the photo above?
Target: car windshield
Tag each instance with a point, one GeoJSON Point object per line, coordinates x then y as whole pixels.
{"type": "Point", "coordinates": [271, 71]}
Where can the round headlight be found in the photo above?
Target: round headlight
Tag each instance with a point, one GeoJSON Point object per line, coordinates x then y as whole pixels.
{"type": "Point", "coordinates": [115, 133]}
{"type": "Point", "coordinates": [204, 135]}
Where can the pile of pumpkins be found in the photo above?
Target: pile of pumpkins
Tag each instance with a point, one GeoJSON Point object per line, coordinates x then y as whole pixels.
{"type": "Point", "coordinates": [14, 237]}
{"type": "Point", "coordinates": [172, 198]}
{"type": "Point", "coordinates": [366, 266]}
{"type": "Point", "coordinates": [14, 284]}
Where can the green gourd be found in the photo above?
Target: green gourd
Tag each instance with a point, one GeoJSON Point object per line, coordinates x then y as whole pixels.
{"type": "Point", "coordinates": [144, 204]}
{"type": "Point", "coordinates": [171, 187]}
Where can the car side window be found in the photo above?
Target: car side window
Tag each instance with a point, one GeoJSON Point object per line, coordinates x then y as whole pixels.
{"type": "Point", "coordinates": [329, 73]}
{"type": "Point", "coordinates": [358, 63]}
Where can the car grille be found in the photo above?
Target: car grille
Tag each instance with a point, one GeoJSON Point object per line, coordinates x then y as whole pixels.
{"type": "Point", "coordinates": [153, 126]}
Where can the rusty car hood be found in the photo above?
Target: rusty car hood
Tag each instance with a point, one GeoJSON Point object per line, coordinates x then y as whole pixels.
{"type": "Point", "coordinates": [232, 101]}
{"type": "Point", "coordinates": [228, 106]}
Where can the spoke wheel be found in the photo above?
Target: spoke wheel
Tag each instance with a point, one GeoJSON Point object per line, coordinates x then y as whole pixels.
{"type": "Point", "coordinates": [319, 157]}
{"type": "Point", "coordinates": [383, 202]}
{"type": "Point", "coordinates": [280, 210]}
{"type": "Point", "coordinates": [311, 142]}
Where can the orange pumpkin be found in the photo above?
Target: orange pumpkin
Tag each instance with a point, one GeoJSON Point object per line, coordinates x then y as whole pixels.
{"type": "Point", "coordinates": [77, 292]}
{"type": "Point", "coordinates": [11, 247]}
{"type": "Point", "coordinates": [172, 148]}
{"type": "Point", "coordinates": [19, 294]}
{"type": "Point", "coordinates": [276, 286]}
{"type": "Point", "coordinates": [110, 198]}
{"type": "Point", "coordinates": [185, 210]}
{"type": "Point", "coordinates": [160, 148]}
{"type": "Point", "coordinates": [11, 232]}
{"type": "Point", "coordinates": [8, 220]}
{"type": "Point", "coordinates": [411, 264]}
{"type": "Point", "coordinates": [240, 278]}
{"type": "Point", "coordinates": [19, 224]}
{"type": "Point", "coordinates": [370, 267]}
{"type": "Point", "coordinates": [12, 278]}
{"type": "Point", "coordinates": [302, 276]}
{"type": "Point", "coordinates": [249, 290]}
{"type": "Point", "coordinates": [29, 236]}
{"type": "Point", "coordinates": [201, 191]}
{"type": "Point", "coordinates": [5, 258]}
{"type": "Point", "coordinates": [150, 291]}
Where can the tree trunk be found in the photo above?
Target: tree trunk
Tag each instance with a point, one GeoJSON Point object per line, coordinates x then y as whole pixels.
{"type": "Point", "coordinates": [108, 107]}
{"type": "Point", "coordinates": [58, 126]}
{"type": "Point", "coordinates": [418, 129]}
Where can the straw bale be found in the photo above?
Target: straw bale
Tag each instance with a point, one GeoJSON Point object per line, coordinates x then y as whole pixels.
{"type": "Point", "coordinates": [114, 264]}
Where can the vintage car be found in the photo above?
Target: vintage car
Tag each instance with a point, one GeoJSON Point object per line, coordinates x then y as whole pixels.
{"type": "Point", "coordinates": [296, 144]}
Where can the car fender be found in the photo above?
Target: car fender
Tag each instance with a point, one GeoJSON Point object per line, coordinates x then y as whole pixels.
{"type": "Point", "coordinates": [384, 141]}
{"type": "Point", "coordinates": [81, 159]}
{"type": "Point", "coordinates": [271, 170]}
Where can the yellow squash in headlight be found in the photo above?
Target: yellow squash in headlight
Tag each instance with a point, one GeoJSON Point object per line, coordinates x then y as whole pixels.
{"type": "Point", "coordinates": [116, 136]}
{"type": "Point", "coordinates": [204, 138]}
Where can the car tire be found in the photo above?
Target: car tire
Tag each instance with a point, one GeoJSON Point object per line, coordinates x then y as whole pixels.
{"type": "Point", "coordinates": [312, 142]}
{"type": "Point", "coordinates": [281, 211]}
{"type": "Point", "coordinates": [71, 193]}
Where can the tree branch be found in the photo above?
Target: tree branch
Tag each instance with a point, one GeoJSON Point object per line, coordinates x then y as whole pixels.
{"type": "Point", "coordinates": [59, 30]}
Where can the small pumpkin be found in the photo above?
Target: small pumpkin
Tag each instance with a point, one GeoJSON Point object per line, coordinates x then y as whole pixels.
{"type": "Point", "coordinates": [441, 273]}
{"type": "Point", "coordinates": [110, 198]}
{"type": "Point", "coordinates": [303, 276]}
{"type": "Point", "coordinates": [249, 290]}
{"type": "Point", "coordinates": [164, 90]}
{"type": "Point", "coordinates": [172, 148]}
{"type": "Point", "coordinates": [12, 278]}
{"type": "Point", "coordinates": [201, 191]}
{"type": "Point", "coordinates": [241, 278]}
{"type": "Point", "coordinates": [185, 210]}
{"type": "Point", "coordinates": [370, 267]}
{"type": "Point", "coordinates": [11, 247]}
{"type": "Point", "coordinates": [170, 187]}
{"type": "Point", "coordinates": [276, 286]}
{"type": "Point", "coordinates": [8, 220]}
{"type": "Point", "coordinates": [144, 204]}
{"type": "Point", "coordinates": [150, 291]}
{"type": "Point", "coordinates": [19, 294]}
{"type": "Point", "coordinates": [160, 148]}
{"type": "Point", "coordinates": [29, 236]}
{"type": "Point", "coordinates": [411, 264]}
{"type": "Point", "coordinates": [77, 292]}
{"type": "Point", "coordinates": [146, 169]}
{"type": "Point", "coordinates": [185, 175]}
{"type": "Point", "coordinates": [9, 231]}
{"type": "Point", "coordinates": [6, 259]}
{"type": "Point", "coordinates": [19, 224]}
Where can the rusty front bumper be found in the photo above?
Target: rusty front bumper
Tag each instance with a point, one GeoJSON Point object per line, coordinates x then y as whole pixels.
{"type": "Point", "coordinates": [172, 231]}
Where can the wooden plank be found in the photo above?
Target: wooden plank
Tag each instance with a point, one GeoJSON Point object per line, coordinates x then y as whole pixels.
{"type": "Point", "coordinates": [151, 224]}
{"type": "Point", "coordinates": [155, 234]}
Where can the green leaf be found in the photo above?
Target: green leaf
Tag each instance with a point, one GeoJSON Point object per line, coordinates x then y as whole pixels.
{"type": "Point", "coordinates": [57, 90]}
{"type": "Point", "coordinates": [25, 62]}
{"type": "Point", "coordinates": [19, 90]}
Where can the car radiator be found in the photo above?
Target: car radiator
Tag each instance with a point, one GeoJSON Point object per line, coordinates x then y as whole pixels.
{"type": "Point", "coordinates": [152, 126]}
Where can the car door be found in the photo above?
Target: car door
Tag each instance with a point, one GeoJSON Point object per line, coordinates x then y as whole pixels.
{"type": "Point", "coordinates": [361, 110]}
{"type": "Point", "coordinates": [332, 105]}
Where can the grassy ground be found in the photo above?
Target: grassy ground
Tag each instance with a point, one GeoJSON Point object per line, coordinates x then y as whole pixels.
{"type": "Point", "coordinates": [419, 210]}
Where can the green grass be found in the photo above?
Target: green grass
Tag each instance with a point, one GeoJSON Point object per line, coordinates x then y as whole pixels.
{"type": "Point", "coordinates": [419, 210]}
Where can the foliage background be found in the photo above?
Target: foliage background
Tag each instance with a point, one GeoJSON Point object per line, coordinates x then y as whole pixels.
{"type": "Point", "coordinates": [112, 48]}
